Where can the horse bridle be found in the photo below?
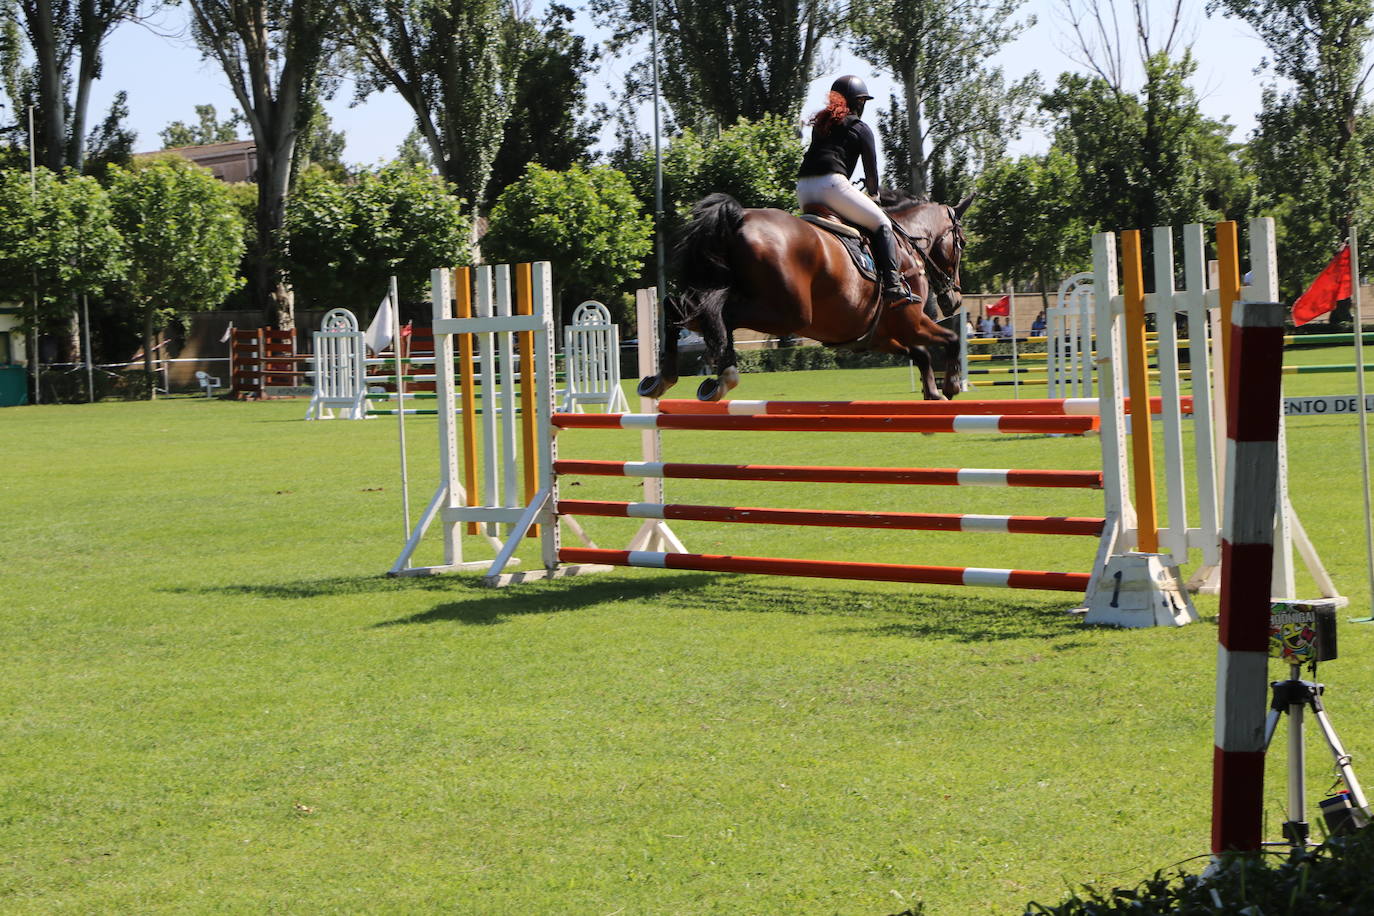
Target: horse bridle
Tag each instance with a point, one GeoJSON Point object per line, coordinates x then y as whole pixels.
{"type": "Point", "coordinates": [941, 283]}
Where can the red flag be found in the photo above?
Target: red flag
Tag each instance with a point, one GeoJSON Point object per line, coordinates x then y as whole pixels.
{"type": "Point", "coordinates": [1001, 306]}
{"type": "Point", "coordinates": [407, 329]}
{"type": "Point", "coordinates": [1330, 287]}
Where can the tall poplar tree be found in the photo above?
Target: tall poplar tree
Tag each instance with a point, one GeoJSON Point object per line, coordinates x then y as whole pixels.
{"type": "Point", "coordinates": [456, 63]}
{"type": "Point", "coordinates": [272, 52]}
{"type": "Point", "coordinates": [955, 112]}
{"type": "Point", "coordinates": [722, 60]}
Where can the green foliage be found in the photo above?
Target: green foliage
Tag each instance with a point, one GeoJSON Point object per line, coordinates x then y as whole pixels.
{"type": "Point", "coordinates": [182, 232]}
{"type": "Point", "coordinates": [1026, 222]}
{"type": "Point", "coordinates": [112, 141]}
{"type": "Point", "coordinates": [1146, 160]}
{"type": "Point", "coordinates": [207, 129]}
{"type": "Point", "coordinates": [455, 63]}
{"type": "Point", "coordinates": [956, 114]}
{"type": "Point", "coordinates": [346, 238]}
{"type": "Point", "coordinates": [1313, 148]}
{"type": "Point", "coordinates": [1332, 880]}
{"type": "Point", "coordinates": [724, 60]}
{"type": "Point", "coordinates": [414, 151]}
{"type": "Point", "coordinates": [586, 221]}
{"type": "Point", "coordinates": [55, 232]}
{"type": "Point", "coordinates": [755, 162]}
{"type": "Point", "coordinates": [550, 96]}
{"type": "Point", "coordinates": [183, 236]}
{"type": "Point", "coordinates": [320, 145]}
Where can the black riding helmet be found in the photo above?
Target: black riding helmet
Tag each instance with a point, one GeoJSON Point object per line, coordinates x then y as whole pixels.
{"type": "Point", "coordinates": [852, 88]}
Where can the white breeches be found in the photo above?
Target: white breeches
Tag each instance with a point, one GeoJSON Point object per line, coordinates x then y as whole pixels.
{"type": "Point", "coordinates": [836, 192]}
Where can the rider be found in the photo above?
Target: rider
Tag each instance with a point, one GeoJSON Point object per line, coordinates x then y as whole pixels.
{"type": "Point", "coordinates": [838, 140]}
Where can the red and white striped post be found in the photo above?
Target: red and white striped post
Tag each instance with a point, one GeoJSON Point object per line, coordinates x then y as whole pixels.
{"type": "Point", "coordinates": [1254, 402]}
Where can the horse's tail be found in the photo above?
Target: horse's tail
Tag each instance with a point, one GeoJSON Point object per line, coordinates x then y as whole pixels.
{"type": "Point", "coordinates": [702, 257]}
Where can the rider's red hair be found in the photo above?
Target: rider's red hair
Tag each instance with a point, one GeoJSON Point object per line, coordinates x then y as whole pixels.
{"type": "Point", "coordinates": [836, 110]}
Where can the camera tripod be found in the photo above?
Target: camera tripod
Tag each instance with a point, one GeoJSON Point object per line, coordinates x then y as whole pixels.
{"type": "Point", "coordinates": [1343, 812]}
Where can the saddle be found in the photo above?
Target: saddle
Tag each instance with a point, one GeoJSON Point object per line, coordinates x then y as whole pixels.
{"type": "Point", "coordinates": [855, 241]}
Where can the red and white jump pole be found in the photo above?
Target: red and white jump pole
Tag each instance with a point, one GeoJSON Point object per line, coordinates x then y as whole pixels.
{"type": "Point", "coordinates": [1254, 405]}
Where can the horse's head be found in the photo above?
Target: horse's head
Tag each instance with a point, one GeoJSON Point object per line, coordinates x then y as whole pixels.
{"type": "Point", "coordinates": [935, 229]}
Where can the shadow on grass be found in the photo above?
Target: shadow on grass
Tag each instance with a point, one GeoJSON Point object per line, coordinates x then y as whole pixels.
{"type": "Point", "coordinates": [876, 611]}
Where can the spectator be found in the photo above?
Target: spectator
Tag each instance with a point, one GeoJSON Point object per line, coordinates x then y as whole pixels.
{"type": "Point", "coordinates": [995, 329]}
{"type": "Point", "coordinates": [1009, 330]}
{"type": "Point", "coordinates": [985, 326]}
{"type": "Point", "coordinates": [1038, 325]}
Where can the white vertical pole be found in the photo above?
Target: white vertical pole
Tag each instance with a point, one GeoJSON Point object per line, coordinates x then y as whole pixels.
{"type": "Point", "coordinates": [401, 398]}
{"type": "Point", "coordinates": [1360, 391]}
{"type": "Point", "coordinates": [541, 297]}
{"type": "Point", "coordinates": [33, 186]}
{"type": "Point", "coordinates": [1011, 323]}
{"type": "Point", "coordinates": [1161, 302]}
{"type": "Point", "coordinates": [1110, 406]}
{"type": "Point", "coordinates": [1205, 471]}
{"type": "Point", "coordinates": [647, 326]}
{"type": "Point", "coordinates": [506, 422]}
{"type": "Point", "coordinates": [451, 493]}
{"type": "Point", "coordinates": [486, 367]}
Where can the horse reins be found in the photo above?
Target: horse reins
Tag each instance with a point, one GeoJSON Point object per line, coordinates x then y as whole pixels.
{"type": "Point", "coordinates": [941, 283]}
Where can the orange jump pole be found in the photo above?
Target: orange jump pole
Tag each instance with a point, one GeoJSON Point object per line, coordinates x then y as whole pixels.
{"type": "Point", "coordinates": [1142, 444]}
{"type": "Point", "coordinates": [462, 292]}
{"type": "Point", "coordinates": [1045, 407]}
{"type": "Point", "coordinates": [926, 477]}
{"type": "Point", "coordinates": [823, 424]}
{"type": "Point", "coordinates": [1228, 286]}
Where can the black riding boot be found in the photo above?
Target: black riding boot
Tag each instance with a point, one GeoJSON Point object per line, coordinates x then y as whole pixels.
{"type": "Point", "coordinates": [895, 291]}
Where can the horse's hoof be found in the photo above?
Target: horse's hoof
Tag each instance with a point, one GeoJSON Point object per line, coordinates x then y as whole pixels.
{"type": "Point", "coordinates": [730, 378]}
{"type": "Point", "coordinates": [653, 386]}
{"type": "Point", "coordinates": [710, 390]}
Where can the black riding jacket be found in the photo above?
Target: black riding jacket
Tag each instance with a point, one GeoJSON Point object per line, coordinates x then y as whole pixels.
{"type": "Point", "coordinates": [840, 150]}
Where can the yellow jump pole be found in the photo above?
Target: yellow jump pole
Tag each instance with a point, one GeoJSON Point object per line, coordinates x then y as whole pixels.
{"type": "Point", "coordinates": [1142, 443]}
{"type": "Point", "coordinates": [462, 292]}
{"type": "Point", "coordinates": [1228, 286]}
{"type": "Point", "coordinates": [524, 305]}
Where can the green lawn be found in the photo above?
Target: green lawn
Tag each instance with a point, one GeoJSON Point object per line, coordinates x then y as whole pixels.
{"type": "Point", "coordinates": [214, 701]}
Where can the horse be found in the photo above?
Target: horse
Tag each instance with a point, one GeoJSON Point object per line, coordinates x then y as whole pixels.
{"type": "Point", "coordinates": [770, 271]}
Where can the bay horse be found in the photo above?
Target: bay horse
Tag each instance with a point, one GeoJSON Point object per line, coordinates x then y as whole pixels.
{"type": "Point", "coordinates": [771, 271]}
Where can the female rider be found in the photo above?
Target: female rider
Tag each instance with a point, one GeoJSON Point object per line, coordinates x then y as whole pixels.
{"type": "Point", "coordinates": [838, 140]}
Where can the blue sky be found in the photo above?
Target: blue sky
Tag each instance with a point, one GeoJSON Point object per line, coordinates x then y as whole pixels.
{"type": "Point", "coordinates": [165, 77]}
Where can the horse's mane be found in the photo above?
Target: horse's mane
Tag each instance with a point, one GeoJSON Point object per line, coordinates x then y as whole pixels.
{"type": "Point", "coordinates": [896, 199]}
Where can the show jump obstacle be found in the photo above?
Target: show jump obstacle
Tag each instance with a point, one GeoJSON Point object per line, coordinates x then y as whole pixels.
{"type": "Point", "coordinates": [1134, 580]}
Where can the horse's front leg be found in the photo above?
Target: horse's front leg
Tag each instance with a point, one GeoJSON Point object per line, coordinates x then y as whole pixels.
{"type": "Point", "coordinates": [930, 389]}
{"type": "Point", "coordinates": [720, 353]}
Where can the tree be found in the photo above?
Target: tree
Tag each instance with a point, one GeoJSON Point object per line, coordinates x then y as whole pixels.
{"type": "Point", "coordinates": [1027, 224]}
{"type": "Point", "coordinates": [414, 151]}
{"type": "Point", "coordinates": [755, 162]}
{"type": "Point", "coordinates": [346, 239]}
{"type": "Point", "coordinates": [207, 129]}
{"type": "Point", "coordinates": [183, 238]}
{"type": "Point", "coordinates": [57, 242]}
{"type": "Point", "coordinates": [272, 53]}
{"type": "Point", "coordinates": [1146, 159]}
{"type": "Point", "coordinates": [955, 112]}
{"type": "Point", "coordinates": [1314, 146]}
{"type": "Point", "coordinates": [456, 63]}
{"type": "Point", "coordinates": [320, 145]}
{"type": "Point", "coordinates": [550, 95]}
{"type": "Point", "coordinates": [62, 35]}
{"type": "Point", "coordinates": [724, 60]}
{"type": "Point", "coordinates": [584, 220]}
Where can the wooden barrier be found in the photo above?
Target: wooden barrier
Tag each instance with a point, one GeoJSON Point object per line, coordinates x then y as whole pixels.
{"type": "Point", "coordinates": [262, 358]}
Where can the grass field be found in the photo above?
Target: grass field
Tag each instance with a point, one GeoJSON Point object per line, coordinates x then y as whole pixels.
{"type": "Point", "coordinates": [213, 701]}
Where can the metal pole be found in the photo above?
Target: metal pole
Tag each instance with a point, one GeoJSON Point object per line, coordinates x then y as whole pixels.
{"type": "Point", "coordinates": [658, 181]}
{"type": "Point", "coordinates": [1360, 396]}
{"type": "Point", "coordinates": [401, 400]}
{"type": "Point", "coordinates": [33, 183]}
{"type": "Point", "coordinates": [90, 371]}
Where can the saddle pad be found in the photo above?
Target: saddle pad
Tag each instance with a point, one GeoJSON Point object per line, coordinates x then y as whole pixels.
{"type": "Point", "coordinates": [829, 225]}
{"type": "Point", "coordinates": [853, 242]}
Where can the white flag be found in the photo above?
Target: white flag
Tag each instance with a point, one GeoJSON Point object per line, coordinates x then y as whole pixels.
{"type": "Point", "coordinates": [379, 331]}
{"type": "Point", "coordinates": [228, 332]}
